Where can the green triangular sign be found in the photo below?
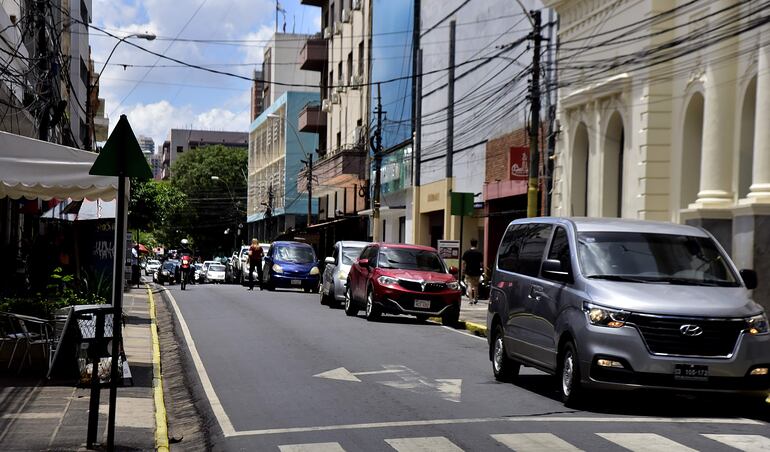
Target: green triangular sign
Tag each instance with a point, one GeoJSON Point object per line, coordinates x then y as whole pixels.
{"type": "Point", "coordinates": [121, 143]}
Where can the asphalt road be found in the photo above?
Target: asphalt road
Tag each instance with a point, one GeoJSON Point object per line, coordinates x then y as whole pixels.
{"type": "Point", "coordinates": [282, 372]}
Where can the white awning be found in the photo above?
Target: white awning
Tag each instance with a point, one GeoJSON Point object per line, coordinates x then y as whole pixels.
{"type": "Point", "coordinates": [33, 169]}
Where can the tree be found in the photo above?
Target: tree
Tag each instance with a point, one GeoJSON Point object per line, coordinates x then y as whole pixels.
{"type": "Point", "coordinates": [213, 205]}
{"type": "Point", "coordinates": [155, 207]}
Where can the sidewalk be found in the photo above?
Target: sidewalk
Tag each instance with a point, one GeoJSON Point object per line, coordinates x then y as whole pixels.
{"type": "Point", "coordinates": [474, 316]}
{"type": "Point", "coordinates": [37, 414]}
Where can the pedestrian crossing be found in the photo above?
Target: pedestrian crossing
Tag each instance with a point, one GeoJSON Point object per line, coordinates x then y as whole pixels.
{"type": "Point", "coordinates": [536, 442]}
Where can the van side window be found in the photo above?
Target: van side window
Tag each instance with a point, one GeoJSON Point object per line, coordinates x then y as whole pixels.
{"type": "Point", "coordinates": [532, 248]}
{"type": "Point", "coordinates": [560, 249]}
{"type": "Point", "coordinates": [508, 254]}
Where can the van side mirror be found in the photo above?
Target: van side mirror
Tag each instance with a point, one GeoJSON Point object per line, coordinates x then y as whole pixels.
{"type": "Point", "coordinates": [553, 269]}
{"type": "Point", "coordinates": [330, 260]}
{"type": "Point", "coordinates": [749, 278]}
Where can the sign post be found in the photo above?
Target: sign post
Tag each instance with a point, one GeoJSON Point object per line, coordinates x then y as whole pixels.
{"type": "Point", "coordinates": [462, 205]}
{"type": "Point", "coordinates": [121, 157]}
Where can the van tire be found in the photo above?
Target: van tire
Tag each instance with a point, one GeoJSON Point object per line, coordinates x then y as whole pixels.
{"type": "Point", "coordinates": [568, 376]}
{"type": "Point", "coordinates": [504, 368]}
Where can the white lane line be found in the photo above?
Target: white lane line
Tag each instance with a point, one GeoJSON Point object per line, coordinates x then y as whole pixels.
{"type": "Point", "coordinates": [312, 447]}
{"type": "Point", "coordinates": [535, 442]}
{"type": "Point", "coordinates": [425, 444]}
{"type": "Point", "coordinates": [208, 388]}
{"type": "Point", "coordinates": [645, 442]}
{"type": "Point", "coordinates": [464, 333]}
{"type": "Point", "coordinates": [422, 423]}
{"type": "Point", "coordinates": [748, 443]}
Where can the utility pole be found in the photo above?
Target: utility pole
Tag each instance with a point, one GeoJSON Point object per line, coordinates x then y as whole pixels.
{"type": "Point", "coordinates": [309, 189]}
{"type": "Point", "coordinates": [550, 111]}
{"type": "Point", "coordinates": [377, 169]}
{"type": "Point", "coordinates": [43, 85]}
{"type": "Point", "coordinates": [534, 130]}
{"type": "Point", "coordinates": [450, 115]}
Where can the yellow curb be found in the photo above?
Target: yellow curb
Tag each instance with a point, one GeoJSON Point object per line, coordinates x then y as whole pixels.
{"type": "Point", "coordinates": [477, 329]}
{"type": "Point", "coordinates": [161, 421]}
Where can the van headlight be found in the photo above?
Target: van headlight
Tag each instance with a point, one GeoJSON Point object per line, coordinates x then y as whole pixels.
{"type": "Point", "coordinates": [757, 324]}
{"type": "Point", "coordinates": [277, 268]}
{"type": "Point", "coordinates": [601, 316]}
{"type": "Point", "coordinates": [314, 271]}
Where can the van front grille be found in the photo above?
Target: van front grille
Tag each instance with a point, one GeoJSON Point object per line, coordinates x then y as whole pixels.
{"type": "Point", "coordinates": [664, 335]}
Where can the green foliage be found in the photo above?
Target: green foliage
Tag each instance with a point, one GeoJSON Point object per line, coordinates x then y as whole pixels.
{"type": "Point", "coordinates": [61, 291]}
{"type": "Point", "coordinates": [214, 205]}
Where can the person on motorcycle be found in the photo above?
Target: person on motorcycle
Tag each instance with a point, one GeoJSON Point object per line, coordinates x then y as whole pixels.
{"type": "Point", "coordinates": [186, 259]}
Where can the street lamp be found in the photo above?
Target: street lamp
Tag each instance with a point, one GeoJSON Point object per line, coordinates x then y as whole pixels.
{"type": "Point", "coordinates": [235, 206]}
{"type": "Point", "coordinates": [91, 113]}
{"type": "Point", "coordinates": [308, 162]}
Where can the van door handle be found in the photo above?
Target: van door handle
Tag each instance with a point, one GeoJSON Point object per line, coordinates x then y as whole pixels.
{"type": "Point", "coordinates": [536, 292]}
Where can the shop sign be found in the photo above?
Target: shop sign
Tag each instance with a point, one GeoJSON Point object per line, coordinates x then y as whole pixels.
{"type": "Point", "coordinates": [518, 163]}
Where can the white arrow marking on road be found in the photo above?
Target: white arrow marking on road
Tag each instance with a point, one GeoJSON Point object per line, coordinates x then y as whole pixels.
{"type": "Point", "coordinates": [447, 388]}
{"type": "Point", "coordinates": [343, 374]}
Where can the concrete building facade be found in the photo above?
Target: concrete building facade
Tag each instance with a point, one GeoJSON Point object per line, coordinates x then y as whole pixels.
{"type": "Point", "coordinates": [665, 117]}
{"type": "Point", "coordinates": [179, 141]}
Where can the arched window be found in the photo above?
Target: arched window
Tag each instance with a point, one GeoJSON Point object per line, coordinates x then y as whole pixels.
{"type": "Point", "coordinates": [580, 171]}
{"type": "Point", "coordinates": [692, 138]}
{"type": "Point", "coordinates": [613, 167]}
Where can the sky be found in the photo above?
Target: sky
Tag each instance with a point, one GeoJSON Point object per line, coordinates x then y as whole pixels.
{"type": "Point", "coordinates": [156, 97]}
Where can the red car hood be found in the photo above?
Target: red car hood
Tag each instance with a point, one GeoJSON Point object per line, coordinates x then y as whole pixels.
{"type": "Point", "coordinates": [416, 275]}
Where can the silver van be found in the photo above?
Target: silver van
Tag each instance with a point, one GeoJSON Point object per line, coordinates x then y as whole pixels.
{"type": "Point", "coordinates": [624, 304]}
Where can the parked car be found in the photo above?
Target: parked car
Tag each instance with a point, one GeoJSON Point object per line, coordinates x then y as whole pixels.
{"type": "Point", "coordinates": [335, 274]}
{"type": "Point", "coordinates": [198, 276]}
{"type": "Point", "coordinates": [403, 279]}
{"type": "Point", "coordinates": [241, 265]}
{"type": "Point", "coordinates": [622, 304]}
{"type": "Point", "coordinates": [215, 273]}
{"type": "Point", "coordinates": [151, 266]}
{"type": "Point", "coordinates": [204, 269]}
{"type": "Point", "coordinates": [167, 273]}
{"type": "Point", "coordinates": [291, 264]}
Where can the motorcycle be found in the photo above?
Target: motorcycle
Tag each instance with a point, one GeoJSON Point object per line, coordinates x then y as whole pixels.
{"type": "Point", "coordinates": [186, 265]}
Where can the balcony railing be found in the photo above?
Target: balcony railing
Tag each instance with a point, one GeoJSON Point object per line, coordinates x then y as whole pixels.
{"type": "Point", "coordinates": [312, 118]}
{"type": "Point", "coordinates": [313, 55]}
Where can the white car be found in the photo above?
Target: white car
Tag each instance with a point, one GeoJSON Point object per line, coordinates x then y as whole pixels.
{"type": "Point", "coordinates": [215, 273]}
{"type": "Point", "coordinates": [206, 265]}
{"type": "Point", "coordinates": [151, 267]}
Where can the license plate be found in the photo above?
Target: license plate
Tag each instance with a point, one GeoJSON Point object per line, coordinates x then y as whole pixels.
{"type": "Point", "coordinates": [296, 282]}
{"type": "Point", "coordinates": [422, 304]}
{"type": "Point", "coordinates": [691, 372]}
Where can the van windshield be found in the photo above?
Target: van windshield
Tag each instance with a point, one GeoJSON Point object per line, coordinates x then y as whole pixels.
{"type": "Point", "coordinates": [295, 254]}
{"type": "Point", "coordinates": [653, 258]}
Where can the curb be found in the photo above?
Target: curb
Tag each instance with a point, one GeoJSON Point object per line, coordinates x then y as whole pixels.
{"type": "Point", "coordinates": [476, 328]}
{"type": "Point", "coordinates": [161, 421]}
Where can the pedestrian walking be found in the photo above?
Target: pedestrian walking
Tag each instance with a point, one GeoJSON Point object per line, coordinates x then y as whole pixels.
{"type": "Point", "coordinates": [472, 260]}
{"type": "Point", "coordinates": [255, 260]}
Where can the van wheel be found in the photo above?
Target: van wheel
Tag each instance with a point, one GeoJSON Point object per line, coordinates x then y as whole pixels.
{"type": "Point", "coordinates": [503, 367]}
{"type": "Point", "coordinates": [568, 374]}
{"type": "Point", "coordinates": [372, 310]}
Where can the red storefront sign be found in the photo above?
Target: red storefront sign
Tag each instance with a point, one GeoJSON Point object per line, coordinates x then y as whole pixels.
{"type": "Point", "coordinates": [518, 163]}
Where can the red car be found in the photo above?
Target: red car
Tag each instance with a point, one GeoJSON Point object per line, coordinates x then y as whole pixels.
{"type": "Point", "coordinates": [402, 279]}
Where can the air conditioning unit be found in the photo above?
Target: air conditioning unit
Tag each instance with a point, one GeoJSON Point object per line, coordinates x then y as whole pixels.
{"type": "Point", "coordinates": [358, 135]}
{"type": "Point", "coordinates": [335, 98]}
{"type": "Point", "coordinates": [345, 15]}
{"type": "Point", "coordinates": [326, 105]}
{"type": "Point", "coordinates": [337, 28]}
{"type": "Point", "coordinates": [356, 81]}
{"type": "Point", "coordinates": [327, 32]}
{"type": "Point", "coordinates": [356, 5]}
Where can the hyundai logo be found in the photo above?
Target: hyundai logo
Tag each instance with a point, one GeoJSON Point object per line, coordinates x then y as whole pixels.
{"type": "Point", "coordinates": [690, 330]}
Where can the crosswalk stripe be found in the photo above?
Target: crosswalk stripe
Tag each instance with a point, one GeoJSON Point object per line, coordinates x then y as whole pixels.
{"type": "Point", "coordinates": [645, 442]}
{"type": "Point", "coordinates": [425, 444]}
{"type": "Point", "coordinates": [535, 442]}
{"type": "Point", "coordinates": [312, 447]}
{"type": "Point", "coordinates": [748, 443]}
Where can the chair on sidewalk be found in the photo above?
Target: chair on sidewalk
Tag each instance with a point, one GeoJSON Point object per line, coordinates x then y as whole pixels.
{"type": "Point", "coordinates": [10, 334]}
{"type": "Point", "coordinates": [30, 331]}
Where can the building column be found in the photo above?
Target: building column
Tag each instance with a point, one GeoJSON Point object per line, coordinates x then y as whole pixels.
{"type": "Point", "coordinates": [718, 129]}
{"type": "Point", "coordinates": [760, 177]}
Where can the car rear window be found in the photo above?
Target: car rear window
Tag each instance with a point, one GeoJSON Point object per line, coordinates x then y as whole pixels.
{"type": "Point", "coordinates": [217, 268]}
